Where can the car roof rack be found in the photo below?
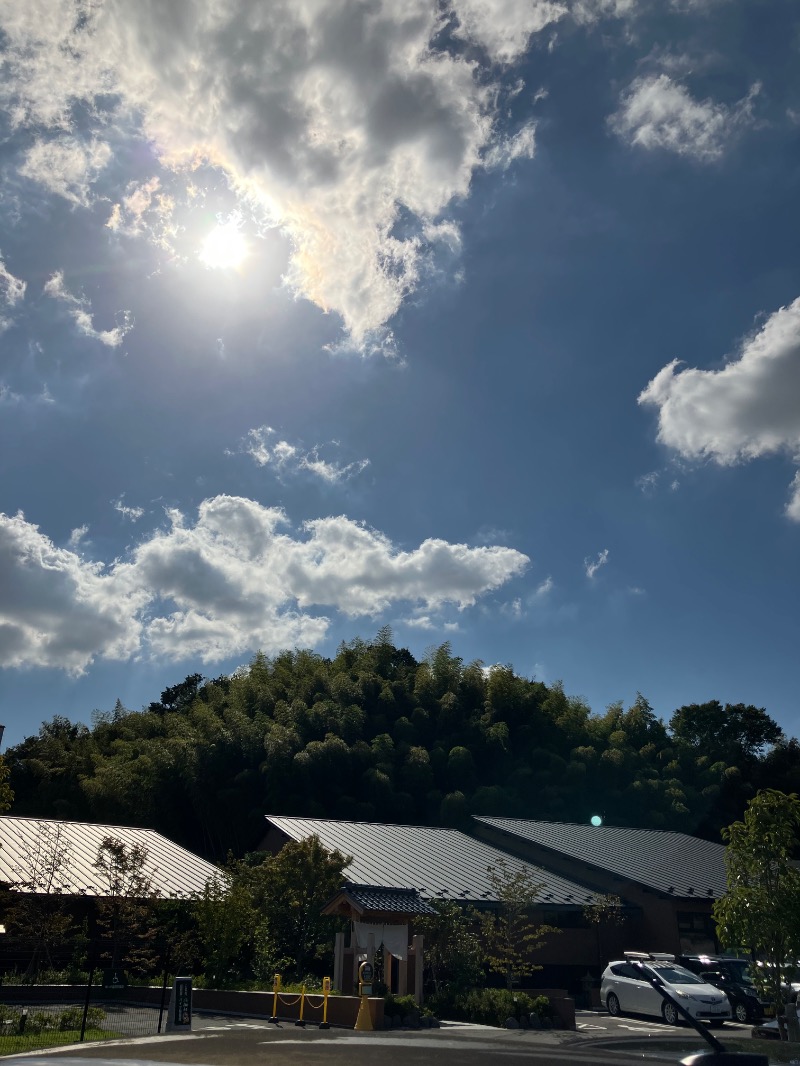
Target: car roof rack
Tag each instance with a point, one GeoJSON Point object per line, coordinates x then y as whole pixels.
{"type": "Point", "coordinates": [652, 956]}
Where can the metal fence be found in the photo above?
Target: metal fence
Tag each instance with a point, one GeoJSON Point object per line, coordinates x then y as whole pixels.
{"type": "Point", "coordinates": [64, 1003]}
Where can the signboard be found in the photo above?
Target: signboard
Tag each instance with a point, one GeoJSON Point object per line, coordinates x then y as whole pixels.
{"type": "Point", "coordinates": [180, 1005]}
{"type": "Point", "coordinates": [365, 979]}
{"type": "Point", "coordinates": [114, 978]}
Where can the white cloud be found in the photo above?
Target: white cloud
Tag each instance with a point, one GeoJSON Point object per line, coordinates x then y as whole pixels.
{"type": "Point", "coordinates": [80, 312]}
{"type": "Point", "coordinates": [745, 410]}
{"type": "Point", "coordinates": [147, 210]}
{"type": "Point", "coordinates": [544, 588]}
{"type": "Point", "coordinates": [793, 506]}
{"type": "Point", "coordinates": [647, 482]}
{"type": "Point", "coordinates": [55, 609]}
{"type": "Point", "coordinates": [657, 112]}
{"type": "Point", "coordinates": [12, 289]}
{"type": "Point", "coordinates": [66, 166]}
{"type": "Point", "coordinates": [336, 120]}
{"type": "Point", "coordinates": [132, 514]}
{"type": "Point", "coordinates": [285, 458]}
{"type": "Point", "coordinates": [504, 27]}
{"type": "Point", "coordinates": [236, 580]}
{"type": "Point", "coordinates": [591, 11]}
{"type": "Point", "coordinates": [593, 565]}
{"type": "Point", "coordinates": [77, 535]}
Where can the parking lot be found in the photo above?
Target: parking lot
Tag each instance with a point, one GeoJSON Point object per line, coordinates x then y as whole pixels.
{"type": "Point", "coordinates": [602, 1024]}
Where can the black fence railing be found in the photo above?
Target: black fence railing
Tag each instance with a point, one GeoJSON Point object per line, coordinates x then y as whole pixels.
{"type": "Point", "coordinates": [56, 999]}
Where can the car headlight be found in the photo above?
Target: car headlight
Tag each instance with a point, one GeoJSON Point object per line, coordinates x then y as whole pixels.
{"type": "Point", "coordinates": [683, 995]}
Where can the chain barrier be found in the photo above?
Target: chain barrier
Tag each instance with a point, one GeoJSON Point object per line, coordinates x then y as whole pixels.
{"type": "Point", "coordinates": [304, 999]}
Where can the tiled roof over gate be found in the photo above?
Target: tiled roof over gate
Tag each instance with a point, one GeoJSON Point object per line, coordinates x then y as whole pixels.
{"type": "Point", "coordinates": [388, 900]}
{"type": "Point", "coordinates": [676, 864]}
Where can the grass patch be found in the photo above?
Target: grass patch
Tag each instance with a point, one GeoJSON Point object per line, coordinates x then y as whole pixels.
{"type": "Point", "coordinates": [13, 1045]}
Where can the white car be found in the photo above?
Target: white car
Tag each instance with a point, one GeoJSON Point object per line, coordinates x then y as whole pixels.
{"type": "Point", "coordinates": [624, 988]}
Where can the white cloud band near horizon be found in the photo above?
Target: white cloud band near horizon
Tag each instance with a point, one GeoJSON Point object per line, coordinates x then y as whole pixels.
{"type": "Point", "coordinates": [236, 580]}
{"type": "Point", "coordinates": [746, 410]}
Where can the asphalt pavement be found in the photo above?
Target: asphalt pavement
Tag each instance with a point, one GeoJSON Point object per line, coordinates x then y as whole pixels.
{"type": "Point", "coordinates": [233, 1041]}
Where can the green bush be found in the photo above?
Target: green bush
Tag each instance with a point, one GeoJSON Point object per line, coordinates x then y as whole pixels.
{"type": "Point", "coordinates": [489, 1006]}
{"type": "Point", "coordinates": [39, 1020]}
{"type": "Point", "coordinates": [72, 1018]}
{"type": "Point", "coordinates": [401, 1005]}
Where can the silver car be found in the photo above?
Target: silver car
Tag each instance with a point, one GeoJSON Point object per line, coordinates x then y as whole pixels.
{"type": "Point", "coordinates": [624, 988]}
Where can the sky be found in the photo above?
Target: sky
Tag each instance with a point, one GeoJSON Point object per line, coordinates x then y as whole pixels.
{"type": "Point", "coordinates": [479, 319]}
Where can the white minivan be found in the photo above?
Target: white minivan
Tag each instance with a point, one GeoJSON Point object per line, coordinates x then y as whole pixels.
{"type": "Point", "coordinates": [624, 988]}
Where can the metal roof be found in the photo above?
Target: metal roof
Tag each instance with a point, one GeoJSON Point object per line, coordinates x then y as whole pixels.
{"type": "Point", "coordinates": [388, 900]}
{"type": "Point", "coordinates": [28, 847]}
{"type": "Point", "coordinates": [676, 864]}
{"type": "Point", "coordinates": [439, 863]}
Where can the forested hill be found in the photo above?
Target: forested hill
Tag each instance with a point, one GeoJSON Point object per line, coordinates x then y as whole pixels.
{"type": "Point", "coordinates": [375, 735]}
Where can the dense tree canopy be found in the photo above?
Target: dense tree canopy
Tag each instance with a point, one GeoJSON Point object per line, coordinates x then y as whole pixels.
{"type": "Point", "coordinates": [374, 734]}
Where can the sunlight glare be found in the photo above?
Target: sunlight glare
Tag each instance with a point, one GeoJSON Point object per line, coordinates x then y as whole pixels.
{"type": "Point", "coordinates": [224, 248]}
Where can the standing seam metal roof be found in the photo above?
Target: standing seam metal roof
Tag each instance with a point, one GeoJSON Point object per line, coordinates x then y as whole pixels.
{"type": "Point", "coordinates": [26, 842]}
{"type": "Point", "coordinates": [676, 864]}
{"type": "Point", "coordinates": [439, 863]}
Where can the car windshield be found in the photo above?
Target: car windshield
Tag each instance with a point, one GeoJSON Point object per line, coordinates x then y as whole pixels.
{"type": "Point", "coordinates": [675, 975]}
{"type": "Point", "coordinates": [739, 971]}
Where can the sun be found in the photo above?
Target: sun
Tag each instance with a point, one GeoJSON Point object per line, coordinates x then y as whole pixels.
{"type": "Point", "coordinates": [224, 248]}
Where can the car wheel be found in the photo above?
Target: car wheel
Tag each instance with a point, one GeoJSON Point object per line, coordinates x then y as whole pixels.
{"type": "Point", "coordinates": [670, 1014]}
{"type": "Point", "coordinates": [613, 1005]}
{"type": "Point", "coordinates": [740, 1013]}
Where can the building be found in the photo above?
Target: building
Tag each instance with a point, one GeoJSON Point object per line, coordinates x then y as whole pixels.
{"type": "Point", "coordinates": [45, 855]}
{"type": "Point", "coordinates": [666, 882]}
{"type": "Point", "coordinates": [669, 880]}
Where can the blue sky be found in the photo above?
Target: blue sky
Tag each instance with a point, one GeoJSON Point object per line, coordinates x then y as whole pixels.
{"type": "Point", "coordinates": [480, 319]}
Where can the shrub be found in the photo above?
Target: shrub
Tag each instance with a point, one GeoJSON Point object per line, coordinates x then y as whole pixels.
{"type": "Point", "coordinates": [39, 1020]}
{"type": "Point", "coordinates": [401, 1005]}
{"type": "Point", "coordinates": [72, 1018]}
{"type": "Point", "coordinates": [489, 1006]}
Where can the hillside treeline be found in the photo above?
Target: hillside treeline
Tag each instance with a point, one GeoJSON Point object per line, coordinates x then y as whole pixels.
{"type": "Point", "coordinates": [373, 734]}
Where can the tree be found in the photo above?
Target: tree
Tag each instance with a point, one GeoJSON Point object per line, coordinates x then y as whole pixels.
{"type": "Point", "coordinates": [124, 910]}
{"type": "Point", "coordinates": [603, 912]}
{"type": "Point", "coordinates": [452, 946]}
{"type": "Point", "coordinates": [6, 792]}
{"type": "Point", "coordinates": [737, 732]}
{"type": "Point", "coordinates": [288, 892]}
{"type": "Point", "coordinates": [38, 913]}
{"type": "Point", "coordinates": [225, 918]}
{"type": "Point", "coordinates": [760, 911]}
{"type": "Point", "coordinates": [511, 934]}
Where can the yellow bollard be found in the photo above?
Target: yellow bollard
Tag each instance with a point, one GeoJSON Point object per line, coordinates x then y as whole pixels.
{"type": "Point", "coordinates": [276, 987]}
{"type": "Point", "coordinates": [364, 1019]}
{"type": "Point", "coordinates": [302, 1005]}
{"type": "Point", "coordinates": [326, 988]}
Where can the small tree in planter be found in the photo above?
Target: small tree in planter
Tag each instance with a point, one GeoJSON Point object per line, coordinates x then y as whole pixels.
{"type": "Point", "coordinates": [511, 934]}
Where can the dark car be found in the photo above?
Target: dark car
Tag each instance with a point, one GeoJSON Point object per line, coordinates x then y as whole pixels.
{"type": "Point", "coordinates": [732, 976]}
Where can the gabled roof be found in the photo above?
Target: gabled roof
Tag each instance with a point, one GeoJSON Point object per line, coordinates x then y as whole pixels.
{"type": "Point", "coordinates": [364, 898]}
{"type": "Point", "coordinates": [439, 863]}
{"type": "Point", "coordinates": [27, 847]}
{"type": "Point", "coordinates": [673, 863]}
